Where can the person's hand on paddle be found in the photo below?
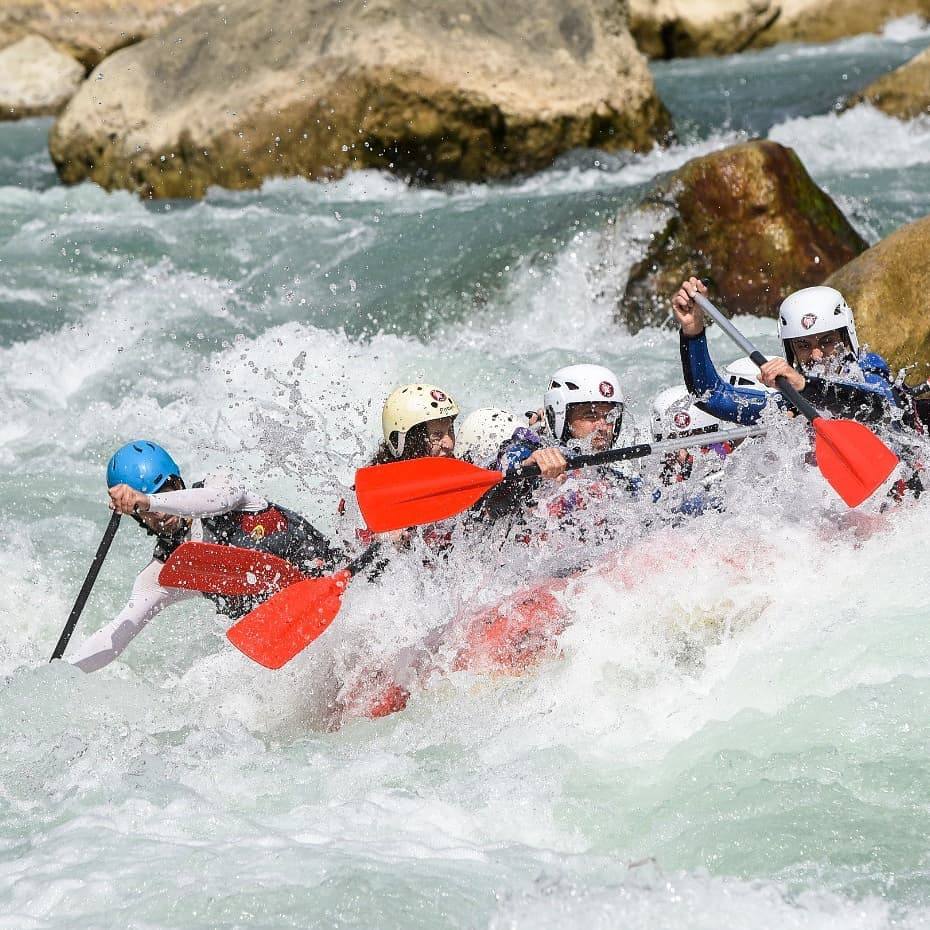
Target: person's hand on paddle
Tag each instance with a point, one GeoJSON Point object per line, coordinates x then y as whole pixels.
{"type": "Point", "coordinates": [776, 368]}
{"type": "Point", "coordinates": [551, 463]}
{"type": "Point", "coordinates": [124, 499]}
{"type": "Point", "coordinates": [689, 315]}
{"type": "Point", "coordinates": [536, 418]}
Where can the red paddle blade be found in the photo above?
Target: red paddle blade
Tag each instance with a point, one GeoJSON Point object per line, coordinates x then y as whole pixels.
{"type": "Point", "coordinates": [290, 620]}
{"type": "Point", "coordinates": [228, 570]}
{"type": "Point", "coordinates": [852, 458]}
{"type": "Point", "coordinates": [402, 494]}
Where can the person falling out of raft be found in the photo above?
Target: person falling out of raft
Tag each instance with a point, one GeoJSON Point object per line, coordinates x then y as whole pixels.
{"type": "Point", "coordinates": [822, 360]}
{"type": "Point", "coordinates": [583, 408]}
{"type": "Point", "coordinates": [145, 483]}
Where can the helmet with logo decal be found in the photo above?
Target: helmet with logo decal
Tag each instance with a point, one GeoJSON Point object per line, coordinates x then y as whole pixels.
{"type": "Point", "coordinates": [744, 372]}
{"type": "Point", "coordinates": [482, 432]}
{"type": "Point", "coordinates": [143, 465]}
{"type": "Point", "coordinates": [675, 414]}
{"type": "Point", "coordinates": [580, 384]}
{"type": "Point", "coordinates": [814, 310]}
{"type": "Point", "coordinates": [409, 406]}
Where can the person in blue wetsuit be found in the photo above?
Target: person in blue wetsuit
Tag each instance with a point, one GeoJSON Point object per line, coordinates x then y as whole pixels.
{"type": "Point", "coordinates": [823, 360]}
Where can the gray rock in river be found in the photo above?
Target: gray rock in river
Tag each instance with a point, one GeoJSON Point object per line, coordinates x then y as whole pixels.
{"type": "Point", "coordinates": [235, 92]}
{"type": "Point", "coordinates": [36, 79]}
{"type": "Point", "coordinates": [750, 219]}
{"type": "Point", "coordinates": [685, 28]}
{"type": "Point", "coordinates": [689, 28]}
{"type": "Point", "coordinates": [87, 30]}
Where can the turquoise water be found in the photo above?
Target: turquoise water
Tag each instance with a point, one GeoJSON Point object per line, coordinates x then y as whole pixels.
{"type": "Point", "coordinates": [735, 734]}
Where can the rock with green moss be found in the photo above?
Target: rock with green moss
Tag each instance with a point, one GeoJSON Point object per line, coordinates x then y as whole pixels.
{"type": "Point", "coordinates": [888, 288]}
{"type": "Point", "coordinates": [750, 219]}
{"type": "Point", "coordinates": [235, 92]}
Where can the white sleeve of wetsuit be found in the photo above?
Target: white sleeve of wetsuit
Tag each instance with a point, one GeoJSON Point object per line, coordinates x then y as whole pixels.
{"type": "Point", "coordinates": [222, 492]}
{"type": "Point", "coordinates": [147, 599]}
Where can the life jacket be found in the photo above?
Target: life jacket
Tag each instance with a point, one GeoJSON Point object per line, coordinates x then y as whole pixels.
{"type": "Point", "coordinates": [275, 530]}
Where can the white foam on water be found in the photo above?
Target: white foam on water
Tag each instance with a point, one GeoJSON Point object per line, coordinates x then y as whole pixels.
{"type": "Point", "coordinates": [857, 140]}
{"type": "Point", "coordinates": [906, 29]}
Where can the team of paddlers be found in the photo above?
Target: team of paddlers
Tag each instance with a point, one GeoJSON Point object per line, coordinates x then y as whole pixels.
{"type": "Point", "coordinates": [582, 414]}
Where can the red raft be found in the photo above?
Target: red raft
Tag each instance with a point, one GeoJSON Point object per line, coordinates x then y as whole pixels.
{"type": "Point", "coordinates": [507, 638]}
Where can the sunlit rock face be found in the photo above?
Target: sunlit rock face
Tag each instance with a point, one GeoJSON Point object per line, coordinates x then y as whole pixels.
{"type": "Point", "coordinates": [237, 92]}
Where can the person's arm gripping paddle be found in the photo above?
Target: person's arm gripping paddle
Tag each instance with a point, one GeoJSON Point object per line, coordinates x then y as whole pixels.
{"type": "Point", "coordinates": [717, 397]}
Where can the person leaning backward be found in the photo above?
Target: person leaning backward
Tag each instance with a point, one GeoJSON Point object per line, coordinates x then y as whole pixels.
{"type": "Point", "coordinates": [145, 482]}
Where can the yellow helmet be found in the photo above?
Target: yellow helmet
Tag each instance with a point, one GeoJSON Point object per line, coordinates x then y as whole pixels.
{"type": "Point", "coordinates": [412, 404]}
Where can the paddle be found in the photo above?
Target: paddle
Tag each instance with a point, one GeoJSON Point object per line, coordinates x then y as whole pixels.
{"type": "Point", "coordinates": [274, 632]}
{"type": "Point", "coordinates": [850, 456]}
{"type": "Point", "coordinates": [84, 593]}
{"type": "Point", "coordinates": [228, 570]}
{"type": "Point", "coordinates": [402, 494]}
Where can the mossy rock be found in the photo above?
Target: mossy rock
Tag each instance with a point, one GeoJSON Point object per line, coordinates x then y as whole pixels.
{"type": "Point", "coordinates": [748, 218]}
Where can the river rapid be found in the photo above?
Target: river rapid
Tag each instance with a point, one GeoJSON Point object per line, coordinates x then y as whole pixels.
{"type": "Point", "coordinates": [737, 731]}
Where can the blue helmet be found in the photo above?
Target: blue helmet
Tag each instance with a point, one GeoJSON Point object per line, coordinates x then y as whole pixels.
{"type": "Point", "coordinates": [142, 465]}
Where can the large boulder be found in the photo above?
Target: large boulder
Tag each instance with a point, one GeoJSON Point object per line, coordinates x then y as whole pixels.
{"type": "Point", "coordinates": [36, 79]}
{"type": "Point", "coordinates": [685, 28]}
{"type": "Point", "coordinates": [888, 288]}
{"type": "Point", "coordinates": [688, 28]}
{"type": "Point", "coordinates": [747, 217]}
{"type": "Point", "coordinates": [233, 93]}
{"type": "Point", "coordinates": [87, 30]}
{"type": "Point", "coordinates": [904, 92]}
{"type": "Point", "coordinates": [828, 20]}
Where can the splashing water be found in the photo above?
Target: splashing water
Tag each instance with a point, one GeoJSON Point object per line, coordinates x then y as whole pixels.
{"type": "Point", "coordinates": [730, 728]}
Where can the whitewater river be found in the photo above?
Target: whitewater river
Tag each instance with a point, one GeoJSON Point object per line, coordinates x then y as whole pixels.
{"type": "Point", "coordinates": [737, 732]}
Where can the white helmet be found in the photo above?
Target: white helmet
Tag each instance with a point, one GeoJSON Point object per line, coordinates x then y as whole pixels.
{"type": "Point", "coordinates": [674, 413]}
{"type": "Point", "coordinates": [483, 432]}
{"type": "Point", "coordinates": [814, 310]}
{"type": "Point", "coordinates": [410, 405]}
{"type": "Point", "coordinates": [744, 372]}
{"type": "Point", "coordinates": [580, 384]}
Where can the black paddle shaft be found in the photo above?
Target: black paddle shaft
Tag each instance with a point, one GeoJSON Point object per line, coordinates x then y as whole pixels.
{"type": "Point", "coordinates": [84, 593]}
{"type": "Point", "coordinates": [643, 449]}
{"type": "Point", "coordinates": [585, 461]}
{"type": "Point", "coordinates": [790, 393]}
